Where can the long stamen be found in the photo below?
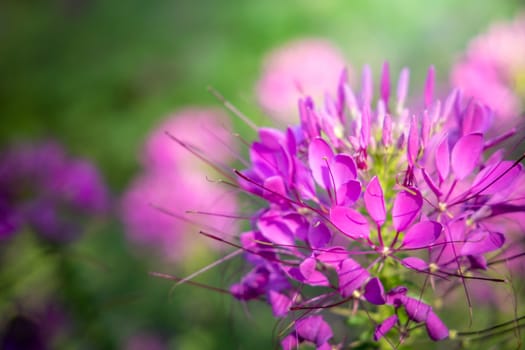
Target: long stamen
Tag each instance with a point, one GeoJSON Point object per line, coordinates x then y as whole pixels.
{"type": "Point", "coordinates": [192, 283]}
{"type": "Point", "coordinates": [207, 268]}
{"type": "Point", "coordinates": [515, 164]}
{"type": "Point", "coordinates": [229, 106]}
{"type": "Point", "coordinates": [201, 157]}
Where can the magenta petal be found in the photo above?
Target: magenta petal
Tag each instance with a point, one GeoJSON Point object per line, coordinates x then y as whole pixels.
{"type": "Point", "coordinates": [314, 329]}
{"type": "Point", "coordinates": [416, 309]}
{"type": "Point", "coordinates": [385, 83]}
{"type": "Point", "coordinates": [351, 277]}
{"type": "Point", "coordinates": [274, 188]}
{"type": "Point", "coordinates": [477, 118]}
{"type": "Point", "coordinates": [385, 326]}
{"type": "Point", "coordinates": [431, 183]}
{"type": "Point", "coordinates": [319, 235]}
{"type": "Point", "coordinates": [333, 257]}
{"type": "Point", "coordinates": [374, 201]}
{"type": "Point", "coordinates": [415, 263]}
{"type": "Point", "coordinates": [348, 192]}
{"type": "Point", "coordinates": [396, 296]}
{"type": "Point", "coordinates": [349, 222]}
{"type": "Point", "coordinates": [343, 169]}
{"type": "Point", "coordinates": [422, 235]}
{"type": "Point", "coordinates": [280, 303]}
{"type": "Point", "coordinates": [303, 181]}
{"type": "Point", "coordinates": [406, 207]}
{"type": "Point", "coordinates": [386, 135]}
{"type": "Point", "coordinates": [365, 126]}
{"type": "Point", "coordinates": [493, 179]}
{"type": "Point", "coordinates": [275, 231]}
{"type": "Point", "coordinates": [289, 342]}
{"type": "Point", "coordinates": [435, 327]}
{"type": "Point", "coordinates": [480, 242]}
{"type": "Point", "coordinates": [324, 346]}
{"type": "Point", "coordinates": [429, 86]}
{"type": "Point", "coordinates": [402, 86]}
{"type": "Point", "coordinates": [311, 275]}
{"type": "Point", "coordinates": [426, 125]}
{"type": "Point", "coordinates": [374, 292]}
{"type": "Point", "coordinates": [466, 155]}
{"type": "Point", "coordinates": [443, 159]}
{"type": "Point", "coordinates": [367, 86]}
{"type": "Point", "coordinates": [319, 156]}
{"type": "Point", "coordinates": [413, 141]}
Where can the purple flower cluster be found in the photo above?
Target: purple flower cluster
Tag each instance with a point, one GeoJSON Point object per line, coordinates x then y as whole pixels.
{"type": "Point", "coordinates": [368, 204]}
{"type": "Point", "coordinates": [45, 190]}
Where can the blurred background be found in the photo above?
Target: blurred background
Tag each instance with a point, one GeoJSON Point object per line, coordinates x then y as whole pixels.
{"type": "Point", "coordinates": [97, 77]}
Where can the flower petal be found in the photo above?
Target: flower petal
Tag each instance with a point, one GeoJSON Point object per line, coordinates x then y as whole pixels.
{"type": "Point", "coordinates": [280, 303]}
{"type": "Point", "coordinates": [416, 309]}
{"type": "Point", "coordinates": [351, 277]}
{"type": "Point", "coordinates": [375, 201]}
{"type": "Point", "coordinates": [319, 156]}
{"type": "Point", "coordinates": [289, 342]}
{"type": "Point", "coordinates": [413, 142]}
{"type": "Point", "coordinates": [436, 329]}
{"type": "Point", "coordinates": [275, 231]}
{"type": "Point", "coordinates": [493, 179]}
{"type": "Point", "coordinates": [374, 292]}
{"type": "Point", "coordinates": [406, 207]}
{"type": "Point", "coordinates": [422, 235]}
{"type": "Point", "coordinates": [274, 189]}
{"type": "Point", "coordinates": [477, 119]}
{"type": "Point", "coordinates": [313, 329]}
{"type": "Point", "coordinates": [343, 169]}
{"type": "Point", "coordinates": [385, 326]}
{"type": "Point", "coordinates": [348, 193]}
{"type": "Point", "coordinates": [443, 159]}
{"type": "Point", "coordinates": [480, 242]}
{"type": "Point", "coordinates": [415, 263]}
{"type": "Point", "coordinates": [319, 235]}
{"type": "Point", "coordinates": [466, 154]}
{"type": "Point", "coordinates": [385, 83]}
{"type": "Point", "coordinates": [311, 275]}
{"type": "Point", "coordinates": [349, 222]}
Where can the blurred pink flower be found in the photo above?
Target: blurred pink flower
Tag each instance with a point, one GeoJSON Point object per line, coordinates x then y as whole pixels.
{"type": "Point", "coordinates": [206, 128]}
{"type": "Point", "coordinates": [175, 180]}
{"type": "Point", "coordinates": [145, 341]}
{"type": "Point", "coordinates": [302, 67]}
{"type": "Point", "coordinates": [493, 70]}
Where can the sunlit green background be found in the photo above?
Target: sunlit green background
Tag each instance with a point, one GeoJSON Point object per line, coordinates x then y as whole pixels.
{"type": "Point", "coordinates": [98, 75]}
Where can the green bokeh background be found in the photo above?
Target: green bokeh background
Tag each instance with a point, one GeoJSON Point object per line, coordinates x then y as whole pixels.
{"type": "Point", "coordinates": [98, 75]}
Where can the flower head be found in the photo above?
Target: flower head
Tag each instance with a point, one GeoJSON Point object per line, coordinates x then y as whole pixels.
{"type": "Point", "coordinates": [364, 196]}
{"type": "Point", "coordinates": [42, 187]}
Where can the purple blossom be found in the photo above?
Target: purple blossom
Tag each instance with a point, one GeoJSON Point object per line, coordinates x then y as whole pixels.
{"type": "Point", "coordinates": [356, 197]}
{"type": "Point", "coordinates": [43, 188]}
{"type": "Point", "coordinates": [312, 329]}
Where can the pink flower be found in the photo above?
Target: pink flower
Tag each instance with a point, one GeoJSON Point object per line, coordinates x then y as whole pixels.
{"type": "Point", "coordinates": [206, 128]}
{"type": "Point", "coordinates": [175, 181]}
{"type": "Point", "coordinates": [143, 341]}
{"type": "Point", "coordinates": [303, 67]}
{"type": "Point", "coordinates": [493, 69]}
